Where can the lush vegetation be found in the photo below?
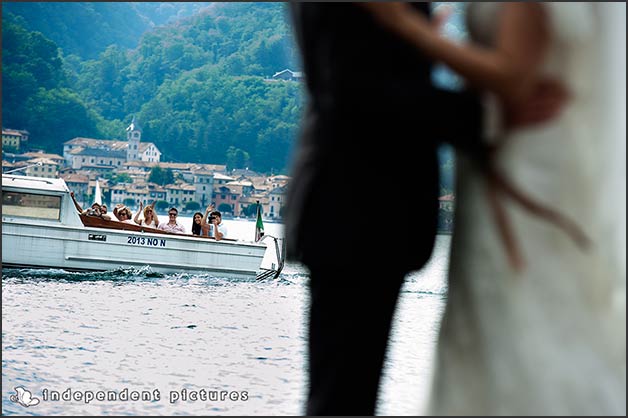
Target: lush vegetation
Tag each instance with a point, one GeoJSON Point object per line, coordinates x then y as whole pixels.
{"type": "Point", "coordinates": [199, 87]}
{"type": "Point", "coordinates": [161, 176]}
{"type": "Point", "coordinates": [86, 29]}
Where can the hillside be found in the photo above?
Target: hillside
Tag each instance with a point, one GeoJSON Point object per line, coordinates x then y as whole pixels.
{"type": "Point", "coordinates": [87, 29]}
{"type": "Point", "coordinates": [197, 86]}
{"type": "Point", "coordinates": [195, 75]}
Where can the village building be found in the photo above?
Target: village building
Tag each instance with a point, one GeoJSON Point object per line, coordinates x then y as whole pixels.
{"type": "Point", "coordinates": [277, 198]}
{"type": "Point", "coordinates": [100, 153]}
{"type": "Point", "coordinates": [79, 184]}
{"type": "Point", "coordinates": [204, 187]}
{"type": "Point", "coordinates": [14, 139]}
{"type": "Point", "coordinates": [37, 167]}
{"type": "Point", "coordinates": [288, 75]}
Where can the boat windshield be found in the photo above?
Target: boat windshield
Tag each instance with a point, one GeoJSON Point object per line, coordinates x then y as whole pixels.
{"type": "Point", "coordinates": [31, 205]}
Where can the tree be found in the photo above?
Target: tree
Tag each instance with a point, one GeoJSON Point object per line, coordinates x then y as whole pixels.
{"type": "Point", "coordinates": [118, 178]}
{"type": "Point", "coordinates": [250, 210]}
{"type": "Point", "coordinates": [192, 206]}
{"type": "Point", "coordinates": [56, 115]}
{"type": "Point", "coordinates": [162, 205]}
{"type": "Point", "coordinates": [225, 208]}
{"type": "Point", "coordinates": [237, 158]}
{"type": "Point", "coordinates": [160, 176]}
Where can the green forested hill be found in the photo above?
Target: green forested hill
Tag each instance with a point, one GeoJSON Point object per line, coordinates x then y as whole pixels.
{"type": "Point", "coordinates": [198, 86]}
{"type": "Point", "coordinates": [85, 29]}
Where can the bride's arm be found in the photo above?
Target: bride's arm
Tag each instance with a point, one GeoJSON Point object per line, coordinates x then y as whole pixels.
{"type": "Point", "coordinates": [508, 69]}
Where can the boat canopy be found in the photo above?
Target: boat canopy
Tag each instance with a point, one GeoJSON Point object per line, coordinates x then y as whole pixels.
{"type": "Point", "coordinates": [34, 183]}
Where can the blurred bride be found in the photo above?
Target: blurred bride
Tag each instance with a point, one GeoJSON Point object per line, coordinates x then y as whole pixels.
{"type": "Point", "coordinates": [535, 321]}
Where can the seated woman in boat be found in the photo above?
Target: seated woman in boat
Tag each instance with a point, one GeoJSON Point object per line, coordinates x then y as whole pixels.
{"type": "Point", "coordinates": [115, 211]}
{"type": "Point", "coordinates": [197, 227]}
{"type": "Point", "coordinates": [124, 215]}
{"type": "Point", "coordinates": [150, 217]}
{"type": "Point", "coordinates": [172, 225]}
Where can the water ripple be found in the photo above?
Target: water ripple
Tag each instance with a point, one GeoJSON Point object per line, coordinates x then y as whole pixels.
{"type": "Point", "coordinates": [143, 331]}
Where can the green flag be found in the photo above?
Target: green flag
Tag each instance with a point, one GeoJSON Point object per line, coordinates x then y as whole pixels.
{"type": "Point", "coordinates": [259, 225]}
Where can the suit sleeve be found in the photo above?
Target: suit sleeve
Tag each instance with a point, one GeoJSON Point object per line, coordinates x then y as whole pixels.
{"type": "Point", "coordinates": [458, 119]}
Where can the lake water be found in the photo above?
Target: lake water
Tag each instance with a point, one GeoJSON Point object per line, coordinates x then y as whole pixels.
{"type": "Point", "coordinates": [191, 344]}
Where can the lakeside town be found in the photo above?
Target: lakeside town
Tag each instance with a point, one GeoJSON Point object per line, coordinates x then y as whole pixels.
{"type": "Point", "coordinates": [124, 170]}
{"type": "Point", "coordinates": [131, 172]}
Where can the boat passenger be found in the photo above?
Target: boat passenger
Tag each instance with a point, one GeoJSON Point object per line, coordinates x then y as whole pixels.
{"type": "Point", "coordinates": [103, 212]}
{"type": "Point", "coordinates": [172, 225]}
{"type": "Point", "coordinates": [76, 204]}
{"type": "Point", "coordinates": [214, 222]}
{"type": "Point", "coordinates": [197, 225]}
{"type": "Point", "coordinates": [218, 230]}
{"type": "Point", "coordinates": [150, 217]}
{"type": "Point", "coordinates": [124, 215]}
{"type": "Point", "coordinates": [116, 209]}
{"type": "Point", "coordinates": [94, 210]}
{"type": "Point", "coordinates": [205, 223]}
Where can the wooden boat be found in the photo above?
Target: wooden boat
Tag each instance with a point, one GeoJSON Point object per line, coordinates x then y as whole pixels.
{"type": "Point", "coordinates": [41, 228]}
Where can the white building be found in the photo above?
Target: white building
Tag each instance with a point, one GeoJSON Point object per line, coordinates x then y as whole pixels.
{"type": "Point", "coordinates": [79, 152]}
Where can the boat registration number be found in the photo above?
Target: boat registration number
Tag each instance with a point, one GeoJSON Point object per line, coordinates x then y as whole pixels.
{"type": "Point", "coordinates": [148, 242]}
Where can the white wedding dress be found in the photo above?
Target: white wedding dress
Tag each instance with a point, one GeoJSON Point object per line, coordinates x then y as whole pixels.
{"type": "Point", "coordinates": [551, 339]}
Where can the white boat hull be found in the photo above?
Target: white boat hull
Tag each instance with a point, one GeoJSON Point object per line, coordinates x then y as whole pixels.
{"type": "Point", "coordinates": [84, 248]}
{"type": "Point", "coordinates": [42, 228]}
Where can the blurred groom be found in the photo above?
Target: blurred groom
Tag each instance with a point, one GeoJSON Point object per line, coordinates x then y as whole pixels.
{"type": "Point", "coordinates": [369, 135]}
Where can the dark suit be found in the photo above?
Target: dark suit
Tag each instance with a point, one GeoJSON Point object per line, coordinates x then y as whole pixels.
{"type": "Point", "coordinates": [369, 137]}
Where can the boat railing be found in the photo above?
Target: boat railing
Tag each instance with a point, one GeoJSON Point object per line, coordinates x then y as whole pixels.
{"type": "Point", "coordinates": [275, 269]}
{"type": "Point", "coordinates": [98, 222]}
{"type": "Point", "coordinates": [37, 164]}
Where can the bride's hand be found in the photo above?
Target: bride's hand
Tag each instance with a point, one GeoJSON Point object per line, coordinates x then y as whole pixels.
{"type": "Point", "coordinates": [500, 186]}
{"type": "Point", "coordinates": [545, 102]}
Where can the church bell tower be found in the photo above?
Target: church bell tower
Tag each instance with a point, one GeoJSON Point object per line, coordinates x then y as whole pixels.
{"type": "Point", "coordinates": [133, 136]}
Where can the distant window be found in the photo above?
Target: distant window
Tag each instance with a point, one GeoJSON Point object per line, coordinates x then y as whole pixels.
{"type": "Point", "coordinates": [30, 205]}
